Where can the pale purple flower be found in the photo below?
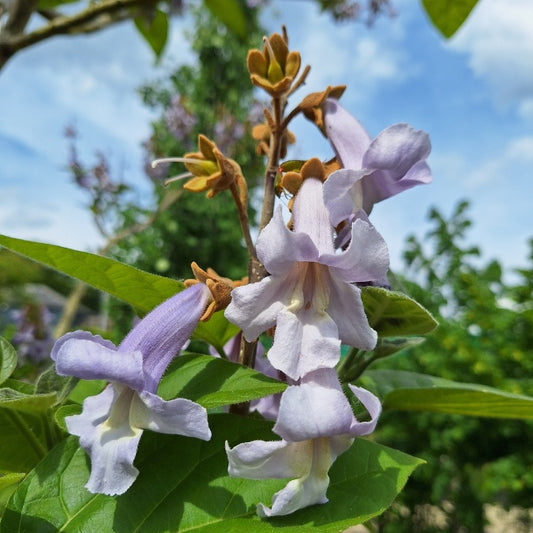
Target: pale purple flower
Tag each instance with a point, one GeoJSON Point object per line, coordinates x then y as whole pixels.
{"type": "Point", "coordinates": [309, 295]}
{"type": "Point", "coordinates": [316, 424]}
{"type": "Point", "coordinates": [111, 423]}
{"type": "Point", "coordinates": [372, 170]}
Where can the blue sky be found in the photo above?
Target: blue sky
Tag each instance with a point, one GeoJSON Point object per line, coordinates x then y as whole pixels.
{"type": "Point", "coordinates": [473, 95]}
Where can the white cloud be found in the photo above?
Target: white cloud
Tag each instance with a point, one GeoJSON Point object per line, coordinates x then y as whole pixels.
{"type": "Point", "coordinates": [338, 53]}
{"type": "Point", "coordinates": [498, 37]}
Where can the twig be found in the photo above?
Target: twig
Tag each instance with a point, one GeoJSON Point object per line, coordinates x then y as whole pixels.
{"type": "Point", "coordinates": [97, 16]}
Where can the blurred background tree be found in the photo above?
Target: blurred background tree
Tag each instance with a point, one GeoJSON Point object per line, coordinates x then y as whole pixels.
{"type": "Point", "coordinates": [485, 336]}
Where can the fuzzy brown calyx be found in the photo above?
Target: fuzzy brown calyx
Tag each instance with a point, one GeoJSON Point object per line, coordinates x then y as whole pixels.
{"type": "Point", "coordinates": [212, 170]}
{"type": "Point", "coordinates": [274, 68]}
{"type": "Point", "coordinates": [220, 288]}
{"type": "Point", "coordinates": [292, 180]}
{"type": "Point", "coordinates": [262, 133]}
{"type": "Point", "coordinates": [311, 105]}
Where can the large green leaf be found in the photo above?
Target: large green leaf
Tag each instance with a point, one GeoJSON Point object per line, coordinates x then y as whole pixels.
{"type": "Point", "coordinates": [8, 360]}
{"type": "Point", "coordinates": [393, 313]}
{"type": "Point", "coordinates": [448, 15]}
{"type": "Point", "coordinates": [153, 26]}
{"type": "Point", "coordinates": [410, 391]}
{"type": "Point", "coordinates": [142, 290]}
{"type": "Point", "coordinates": [214, 382]}
{"type": "Point", "coordinates": [184, 486]}
{"type": "Point", "coordinates": [26, 429]}
{"type": "Point", "coordinates": [230, 13]}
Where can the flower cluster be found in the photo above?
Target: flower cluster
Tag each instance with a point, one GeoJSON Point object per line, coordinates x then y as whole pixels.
{"type": "Point", "coordinates": [304, 286]}
{"type": "Point", "coordinates": [311, 297]}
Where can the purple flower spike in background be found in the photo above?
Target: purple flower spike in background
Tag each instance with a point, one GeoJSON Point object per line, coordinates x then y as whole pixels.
{"type": "Point", "coordinates": [316, 424]}
{"type": "Point", "coordinates": [111, 423]}
{"type": "Point", "coordinates": [371, 170]}
{"type": "Point", "coordinates": [309, 295]}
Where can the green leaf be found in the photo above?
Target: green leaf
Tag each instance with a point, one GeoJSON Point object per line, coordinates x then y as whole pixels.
{"type": "Point", "coordinates": [409, 391]}
{"type": "Point", "coordinates": [8, 359]}
{"type": "Point", "coordinates": [230, 13]}
{"type": "Point", "coordinates": [64, 411]}
{"type": "Point", "coordinates": [86, 388]}
{"type": "Point", "coordinates": [154, 28]}
{"type": "Point", "coordinates": [50, 382]}
{"type": "Point", "coordinates": [213, 382]}
{"type": "Point", "coordinates": [184, 486]}
{"type": "Point", "coordinates": [142, 290]}
{"type": "Point", "coordinates": [386, 347]}
{"type": "Point", "coordinates": [448, 15]}
{"type": "Point", "coordinates": [393, 313]}
{"type": "Point", "coordinates": [26, 434]}
{"type": "Point", "coordinates": [8, 484]}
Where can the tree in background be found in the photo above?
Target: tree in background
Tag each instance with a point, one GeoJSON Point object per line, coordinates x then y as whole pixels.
{"type": "Point", "coordinates": [485, 336]}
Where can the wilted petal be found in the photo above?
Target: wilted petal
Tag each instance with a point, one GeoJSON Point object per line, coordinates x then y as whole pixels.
{"type": "Point", "coordinates": [175, 417]}
{"type": "Point", "coordinates": [261, 459]}
{"type": "Point", "coordinates": [89, 357]}
{"type": "Point", "coordinates": [111, 442]}
{"type": "Point", "coordinates": [315, 408]}
{"type": "Point", "coordinates": [304, 342]}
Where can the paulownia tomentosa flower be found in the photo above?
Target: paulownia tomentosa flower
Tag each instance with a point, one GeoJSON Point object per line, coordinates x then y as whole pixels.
{"type": "Point", "coordinates": [310, 294]}
{"type": "Point", "coordinates": [316, 424]}
{"type": "Point", "coordinates": [111, 423]}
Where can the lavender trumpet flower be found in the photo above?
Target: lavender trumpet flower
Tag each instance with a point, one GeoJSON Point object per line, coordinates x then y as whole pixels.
{"type": "Point", "coordinates": [309, 295]}
{"type": "Point", "coordinates": [316, 425]}
{"type": "Point", "coordinates": [372, 170]}
{"type": "Point", "coordinates": [111, 423]}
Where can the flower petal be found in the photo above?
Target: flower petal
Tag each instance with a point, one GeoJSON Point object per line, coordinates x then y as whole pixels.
{"type": "Point", "coordinates": [82, 335]}
{"type": "Point", "coordinates": [397, 149]}
{"type": "Point", "coordinates": [347, 310]}
{"type": "Point", "coordinates": [278, 247]}
{"type": "Point", "coordinates": [254, 307]}
{"type": "Point", "coordinates": [261, 459]}
{"type": "Point", "coordinates": [397, 156]}
{"type": "Point", "coordinates": [87, 357]}
{"type": "Point", "coordinates": [175, 417]}
{"type": "Point", "coordinates": [112, 448]}
{"type": "Point", "coordinates": [349, 139]}
{"type": "Point", "coordinates": [161, 334]}
{"type": "Point", "coordinates": [315, 408]}
{"type": "Point", "coordinates": [372, 405]}
{"type": "Point", "coordinates": [311, 217]}
{"type": "Point", "coordinates": [304, 342]}
{"type": "Point", "coordinates": [365, 259]}
{"type": "Point", "coordinates": [341, 194]}
{"type": "Point", "coordinates": [297, 494]}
